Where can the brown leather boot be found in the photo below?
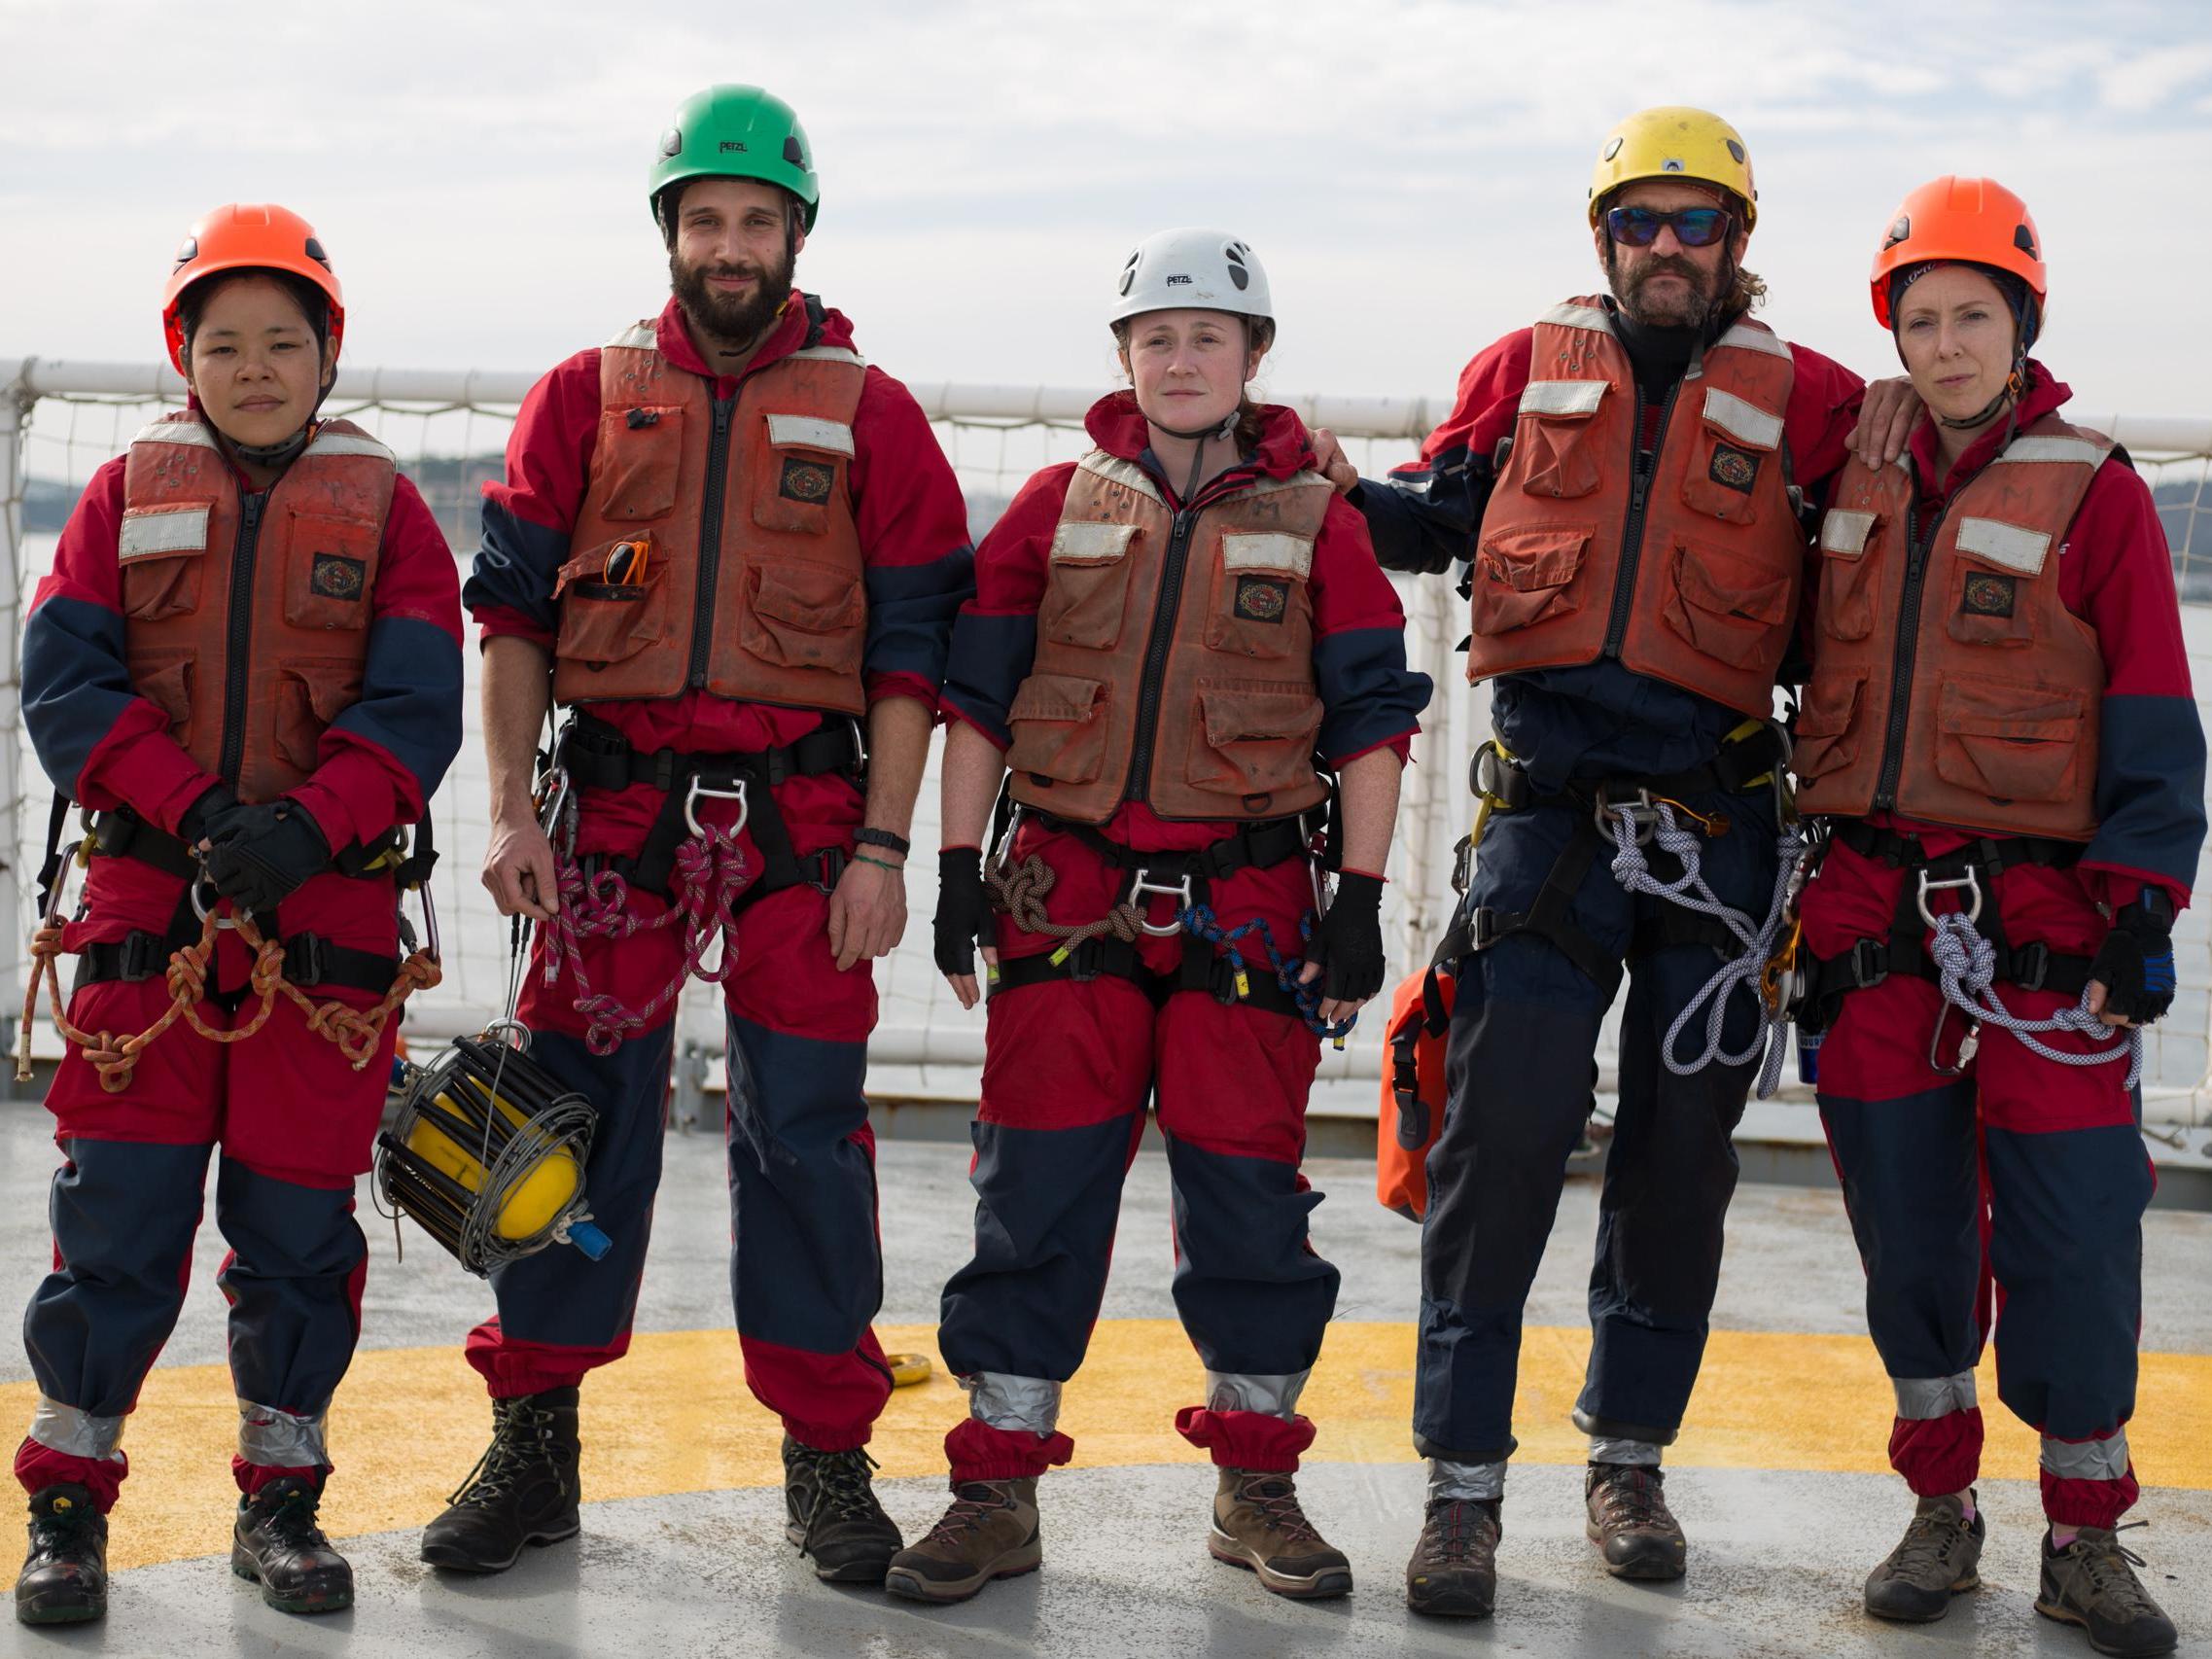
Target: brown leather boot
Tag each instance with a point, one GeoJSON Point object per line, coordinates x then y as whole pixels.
{"type": "Point", "coordinates": [1631, 1524]}
{"type": "Point", "coordinates": [989, 1531]}
{"type": "Point", "coordinates": [1258, 1525]}
{"type": "Point", "coordinates": [1453, 1571]}
{"type": "Point", "coordinates": [1936, 1560]}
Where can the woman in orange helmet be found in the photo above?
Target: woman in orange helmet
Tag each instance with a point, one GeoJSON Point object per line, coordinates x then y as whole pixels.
{"type": "Point", "coordinates": [246, 664]}
{"type": "Point", "coordinates": [2000, 736]}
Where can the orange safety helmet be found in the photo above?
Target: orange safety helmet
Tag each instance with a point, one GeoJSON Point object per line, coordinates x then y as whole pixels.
{"type": "Point", "coordinates": [1977, 221]}
{"type": "Point", "coordinates": [245, 235]}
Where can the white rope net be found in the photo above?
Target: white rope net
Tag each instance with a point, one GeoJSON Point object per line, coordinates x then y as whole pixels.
{"type": "Point", "coordinates": [449, 432]}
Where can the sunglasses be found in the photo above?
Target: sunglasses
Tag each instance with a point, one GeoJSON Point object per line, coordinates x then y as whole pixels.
{"type": "Point", "coordinates": [1693, 227]}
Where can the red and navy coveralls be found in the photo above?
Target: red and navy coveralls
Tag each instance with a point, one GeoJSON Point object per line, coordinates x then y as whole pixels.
{"type": "Point", "coordinates": [806, 1270]}
{"type": "Point", "coordinates": [1524, 1030]}
{"type": "Point", "coordinates": [2037, 1163]}
{"type": "Point", "coordinates": [1072, 1057]}
{"type": "Point", "coordinates": [294, 1120]}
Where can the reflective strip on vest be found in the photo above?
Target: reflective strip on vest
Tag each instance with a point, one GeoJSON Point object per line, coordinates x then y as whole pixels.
{"type": "Point", "coordinates": [2087, 1459]}
{"type": "Point", "coordinates": [1924, 1399]}
{"type": "Point", "coordinates": [156, 530]}
{"type": "Point", "coordinates": [1845, 532]}
{"type": "Point", "coordinates": [1563, 397]}
{"type": "Point", "coordinates": [829, 354]}
{"type": "Point", "coordinates": [1266, 550]}
{"type": "Point", "coordinates": [1086, 541]}
{"type": "Point", "coordinates": [75, 1434]}
{"type": "Point", "coordinates": [1747, 421]}
{"type": "Point", "coordinates": [1591, 317]}
{"type": "Point", "coordinates": [329, 442]}
{"type": "Point", "coordinates": [638, 336]}
{"type": "Point", "coordinates": [1744, 338]}
{"type": "Point", "coordinates": [1127, 473]}
{"type": "Point", "coordinates": [2007, 545]}
{"type": "Point", "coordinates": [176, 431]}
{"type": "Point", "coordinates": [280, 1440]}
{"type": "Point", "coordinates": [810, 431]}
{"type": "Point", "coordinates": [1029, 1404]}
{"type": "Point", "coordinates": [1277, 1395]}
{"type": "Point", "coordinates": [2078, 450]}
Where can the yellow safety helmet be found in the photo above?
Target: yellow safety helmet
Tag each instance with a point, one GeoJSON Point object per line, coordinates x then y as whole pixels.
{"type": "Point", "coordinates": [1675, 142]}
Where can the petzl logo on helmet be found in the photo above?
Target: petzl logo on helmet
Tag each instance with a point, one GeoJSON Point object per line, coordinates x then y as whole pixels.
{"type": "Point", "coordinates": [1177, 280]}
{"type": "Point", "coordinates": [729, 144]}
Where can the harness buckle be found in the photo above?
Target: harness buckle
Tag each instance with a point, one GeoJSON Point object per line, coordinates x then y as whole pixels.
{"type": "Point", "coordinates": [1869, 962]}
{"type": "Point", "coordinates": [143, 956]}
{"type": "Point", "coordinates": [1463, 862]}
{"type": "Point", "coordinates": [303, 959]}
{"type": "Point", "coordinates": [699, 789]}
{"type": "Point", "coordinates": [1142, 882]}
{"type": "Point", "coordinates": [1967, 882]}
{"type": "Point", "coordinates": [2030, 965]}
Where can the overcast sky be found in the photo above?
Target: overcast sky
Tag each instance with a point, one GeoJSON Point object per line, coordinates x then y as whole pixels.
{"type": "Point", "coordinates": [1412, 173]}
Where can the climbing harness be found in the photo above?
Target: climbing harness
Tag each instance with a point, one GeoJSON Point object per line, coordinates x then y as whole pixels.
{"type": "Point", "coordinates": [186, 955]}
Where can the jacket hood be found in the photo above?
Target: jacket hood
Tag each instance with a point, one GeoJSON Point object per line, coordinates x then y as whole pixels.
{"type": "Point", "coordinates": [1118, 426]}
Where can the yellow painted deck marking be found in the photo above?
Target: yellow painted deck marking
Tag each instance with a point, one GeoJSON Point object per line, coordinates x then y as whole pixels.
{"type": "Point", "coordinates": [675, 1417]}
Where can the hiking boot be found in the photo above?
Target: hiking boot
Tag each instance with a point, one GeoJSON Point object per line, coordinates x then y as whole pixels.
{"type": "Point", "coordinates": [1257, 1525]}
{"type": "Point", "coordinates": [1453, 1571]}
{"type": "Point", "coordinates": [834, 1515]}
{"type": "Point", "coordinates": [1934, 1562]}
{"type": "Point", "coordinates": [522, 1491]}
{"type": "Point", "coordinates": [279, 1545]}
{"type": "Point", "coordinates": [989, 1532]}
{"type": "Point", "coordinates": [66, 1575]}
{"type": "Point", "coordinates": [1630, 1522]}
{"type": "Point", "coordinates": [2090, 1582]}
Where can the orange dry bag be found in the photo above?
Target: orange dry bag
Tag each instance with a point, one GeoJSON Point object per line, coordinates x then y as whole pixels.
{"type": "Point", "coordinates": [1413, 1089]}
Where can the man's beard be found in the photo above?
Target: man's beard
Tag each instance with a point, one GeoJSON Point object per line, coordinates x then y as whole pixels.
{"type": "Point", "coordinates": [735, 321]}
{"type": "Point", "coordinates": [1691, 311]}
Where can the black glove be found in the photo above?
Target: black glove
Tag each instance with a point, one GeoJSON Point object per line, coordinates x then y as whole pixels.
{"type": "Point", "coordinates": [964, 909]}
{"type": "Point", "coordinates": [261, 855]}
{"type": "Point", "coordinates": [1349, 943]}
{"type": "Point", "coordinates": [2136, 961]}
{"type": "Point", "coordinates": [192, 827]}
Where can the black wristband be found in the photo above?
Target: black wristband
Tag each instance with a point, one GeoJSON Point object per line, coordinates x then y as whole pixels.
{"type": "Point", "coordinates": [885, 839]}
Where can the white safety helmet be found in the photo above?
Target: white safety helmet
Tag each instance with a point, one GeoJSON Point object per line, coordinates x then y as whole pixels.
{"type": "Point", "coordinates": [1207, 270]}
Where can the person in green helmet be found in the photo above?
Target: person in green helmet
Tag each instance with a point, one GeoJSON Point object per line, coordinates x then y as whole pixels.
{"type": "Point", "coordinates": [731, 549]}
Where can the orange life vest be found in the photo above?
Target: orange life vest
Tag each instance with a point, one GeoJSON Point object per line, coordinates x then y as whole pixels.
{"type": "Point", "coordinates": [743, 574]}
{"type": "Point", "coordinates": [1692, 575]}
{"type": "Point", "coordinates": [1175, 654]}
{"type": "Point", "coordinates": [246, 617]}
{"type": "Point", "coordinates": [1950, 684]}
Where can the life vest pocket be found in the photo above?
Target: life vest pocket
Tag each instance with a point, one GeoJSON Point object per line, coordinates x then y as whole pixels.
{"type": "Point", "coordinates": [1253, 739]}
{"type": "Point", "coordinates": [1990, 606]}
{"type": "Point", "coordinates": [308, 694]}
{"type": "Point", "coordinates": [1260, 606]}
{"type": "Point", "coordinates": [331, 571]}
{"type": "Point", "coordinates": [1846, 575]}
{"type": "Point", "coordinates": [602, 622]}
{"type": "Point", "coordinates": [638, 463]}
{"type": "Point", "coordinates": [1729, 608]}
{"type": "Point", "coordinates": [1734, 443]}
{"type": "Point", "coordinates": [2007, 741]}
{"type": "Point", "coordinates": [1828, 731]}
{"type": "Point", "coordinates": [163, 678]}
{"type": "Point", "coordinates": [804, 615]}
{"type": "Point", "coordinates": [161, 552]}
{"type": "Point", "coordinates": [1522, 576]}
{"type": "Point", "coordinates": [1086, 591]}
{"type": "Point", "coordinates": [1552, 447]}
{"type": "Point", "coordinates": [1059, 726]}
{"type": "Point", "coordinates": [798, 471]}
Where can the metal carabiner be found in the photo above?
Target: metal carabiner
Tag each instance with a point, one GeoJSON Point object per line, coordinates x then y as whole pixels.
{"type": "Point", "coordinates": [200, 909]}
{"type": "Point", "coordinates": [1968, 1045]}
{"type": "Point", "coordinates": [1003, 854]}
{"type": "Point", "coordinates": [1971, 908]}
{"type": "Point", "coordinates": [1141, 883]}
{"type": "Point", "coordinates": [699, 790]}
{"type": "Point", "coordinates": [1640, 812]}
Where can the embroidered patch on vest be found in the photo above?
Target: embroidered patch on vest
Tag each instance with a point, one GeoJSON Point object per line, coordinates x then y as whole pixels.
{"type": "Point", "coordinates": [1261, 599]}
{"type": "Point", "coordinates": [1737, 469]}
{"type": "Point", "coordinates": [1988, 595]}
{"type": "Point", "coordinates": [335, 576]}
{"type": "Point", "coordinates": [805, 481]}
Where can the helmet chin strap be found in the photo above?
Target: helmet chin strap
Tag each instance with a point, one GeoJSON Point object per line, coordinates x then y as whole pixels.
{"type": "Point", "coordinates": [1222, 429]}
{"type": "Point", "coordinates": [290, 450]}
{"type": "Point", "coordinates": [2009, 394]}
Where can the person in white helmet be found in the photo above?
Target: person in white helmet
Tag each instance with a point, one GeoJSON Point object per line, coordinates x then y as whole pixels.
{"type": "Point", "coordinates": [1183, 648]}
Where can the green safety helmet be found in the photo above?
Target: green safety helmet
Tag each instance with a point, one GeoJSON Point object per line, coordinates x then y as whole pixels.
{"type": "Point", "coordinates": [736, 132]}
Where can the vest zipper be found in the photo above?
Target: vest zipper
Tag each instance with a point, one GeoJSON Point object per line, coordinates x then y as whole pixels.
{"type": "Point", "coordinates": [1163, 613]}
{"type": "Point", "coordinates": [240, 637]}
{"type": "Point", "coordinates": [1917, 550]}
{"type": "Point", "coordinates": [1640, 503]}
{"type": "Point", "coordinates": [710, 543]}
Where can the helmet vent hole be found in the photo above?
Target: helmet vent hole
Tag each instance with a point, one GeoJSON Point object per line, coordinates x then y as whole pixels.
{"type": "Point", "coordinates": [1735, 150]}
{"type": "Point", "coordinates": [2024, 239]}
{"type": "Point", "coordinates": [793, 153]}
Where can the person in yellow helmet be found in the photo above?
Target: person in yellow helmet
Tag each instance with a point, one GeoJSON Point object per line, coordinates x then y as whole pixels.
{"type": "Point", "coordinates": [1624, 484]}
